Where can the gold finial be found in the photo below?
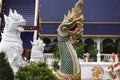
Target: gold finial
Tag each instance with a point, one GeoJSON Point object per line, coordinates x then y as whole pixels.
{"type": "Point", "coordinates": [69, 14]}
{"type": "Point", "coordinates": [78, 5]}
{"type": "Point", "coordinates": [65, 17]}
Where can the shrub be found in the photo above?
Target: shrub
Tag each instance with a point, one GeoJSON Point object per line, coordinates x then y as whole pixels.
{"type": "Point", "coordinates": [6, 72]}
{"type": "Point", "coordinates": [109, 48]}
{"type": "Point", "coordinates": [55, 65]}
{"type": "Point", "coordinates": [93, 53]}
{"type": "Point", "coordinates": [35, 72]}
{"type": "Point", "coordinates": [80, 49]}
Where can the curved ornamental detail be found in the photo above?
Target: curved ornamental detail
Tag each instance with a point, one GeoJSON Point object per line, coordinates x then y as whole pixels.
{"type": "Point", "coordinates": [68, 32]}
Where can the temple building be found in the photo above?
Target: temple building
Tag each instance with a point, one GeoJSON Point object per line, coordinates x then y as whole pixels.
{"type": "Point", "coordinates": [101, 21]}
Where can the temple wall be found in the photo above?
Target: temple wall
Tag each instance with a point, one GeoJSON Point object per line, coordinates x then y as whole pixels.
{"type": "Point", "coordinates": [86, 67]}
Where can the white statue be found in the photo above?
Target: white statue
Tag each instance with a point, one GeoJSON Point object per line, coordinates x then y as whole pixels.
{"type": "Point", "coordinates": [11, 42]}
{"type": "Point", "coordinates": [37, 51]}
{"type": "Point", "coordinates": [87, 55]}
{"type": "Point", "coordinates": [114, 58]}
{"type": "Point", "coordinates": [50, 63]}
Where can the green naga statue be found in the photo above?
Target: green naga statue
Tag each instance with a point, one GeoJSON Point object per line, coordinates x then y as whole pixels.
{"type": "Point", "coordinates": [68, 32]}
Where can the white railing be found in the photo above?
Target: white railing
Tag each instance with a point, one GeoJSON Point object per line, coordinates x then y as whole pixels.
{"type": "Point", "coordinates": [107, 57]}
{"type": "Point", "coordinates": [48, 55]}
{"type": "Point", "coordinates": [87, 66]}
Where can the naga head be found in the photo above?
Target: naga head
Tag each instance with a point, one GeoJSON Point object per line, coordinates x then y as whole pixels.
{"type": "Point", "coordinates": [72, 23]}
{"type": "Point", "coordinates": [14, 21]}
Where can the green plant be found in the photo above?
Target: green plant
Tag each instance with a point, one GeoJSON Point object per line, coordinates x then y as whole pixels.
{"type": "Point", "coordinates": [109, 48]}
{"type": "Point", "coordinates": [80, 49]}
{"type": "Point", "coordinates": [56, 53]}
{"type": "Point", "coordinates": [118, 51]}
{"type": "Point", "coordinates": [35, 72]}
{"type": "Point", "coordinates": [51, 48]}
{"type": "Point", "coordinates": [6, 72]}
{"type": "Point", "coordinates": [55, 65]}
{"type": "Point", "coordinates": [93, 53]}
{"type": "Point", "coordinates": [102, 57]}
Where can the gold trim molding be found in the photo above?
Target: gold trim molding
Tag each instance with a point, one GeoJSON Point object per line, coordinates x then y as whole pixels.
{"type": "Point", "coordinates": [103, 36]}
{"type": "Point", "coordinates": [58, 22]}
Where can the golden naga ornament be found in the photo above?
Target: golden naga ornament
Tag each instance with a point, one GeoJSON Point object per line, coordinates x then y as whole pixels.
{"type": "Point", "coordinates": [68, 32]}
{"type": "Point", "coordinates": [97, 72]}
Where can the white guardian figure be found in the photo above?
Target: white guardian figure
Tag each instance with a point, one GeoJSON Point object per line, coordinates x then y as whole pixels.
{"type": "Point", "coordinates": [37, 51]}
{"type": "Point", "coordinates": [11, 42]}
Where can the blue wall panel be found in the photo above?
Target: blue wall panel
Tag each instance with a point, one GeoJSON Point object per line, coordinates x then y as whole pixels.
{"type": "Point", "coordinates": [54, 10]}
{"type": "Point", "coordinates": [101, 10]}
{"type": "Point", "coordinates": [102, 29]}
{"type": "Point", "coordinates": [93, 29]}
{"type": "Point", "coordinates": [26, 38]}
{"type": "Point", "coordinates": [93, 10]}
{"type": "Point", "coordinates": [23, 7]}
{"type": "Point", "coordinates": [49, 28]}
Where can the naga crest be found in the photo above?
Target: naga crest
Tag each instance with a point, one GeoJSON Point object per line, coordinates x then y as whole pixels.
{"type": "Point", "coordinates": [72, 24]}
{"type": "Point", "coordinates": [14, 21]}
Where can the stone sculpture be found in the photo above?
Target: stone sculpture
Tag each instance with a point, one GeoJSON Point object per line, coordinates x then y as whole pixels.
{"type": "Point", "coordinates": [11, 42]}
{"type": "Point", "coordinates": [114, 71]}
{"type": "Point", "coordinates": [68, 32]}
{"type": "Point", "coordinates": [37, 51]}
{"type": "Point", "coordinates": [97, 73]}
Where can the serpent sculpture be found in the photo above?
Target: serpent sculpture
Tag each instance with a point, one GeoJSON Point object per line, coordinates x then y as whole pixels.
{"type": "Point", "coordinates": [68, 32]}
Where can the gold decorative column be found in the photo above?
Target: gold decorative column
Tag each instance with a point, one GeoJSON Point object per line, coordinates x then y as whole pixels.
{"type": "Point", "coordinates": [0, 6]}
{"type": "Point", "coordinates": [0, 9]}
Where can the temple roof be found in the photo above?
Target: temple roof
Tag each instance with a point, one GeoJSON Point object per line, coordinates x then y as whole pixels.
{"type": "Point", "coordinates": [102, 17]}
{"type": "Point", "coordinates": [93, 10]}
{"type": "Point", "coordinates": [24, 7]}
{"type": "Point", "coordinates": [105, 13]}
{"type": "Point", "coordinates": [53, 10]}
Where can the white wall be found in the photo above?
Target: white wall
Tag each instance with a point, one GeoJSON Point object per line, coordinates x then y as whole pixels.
{"type": "Point", "coordinates": [87, 66]}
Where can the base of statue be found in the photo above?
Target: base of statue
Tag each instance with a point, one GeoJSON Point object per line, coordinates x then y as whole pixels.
{"type": "Point", "coordinates": [61, 75]}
